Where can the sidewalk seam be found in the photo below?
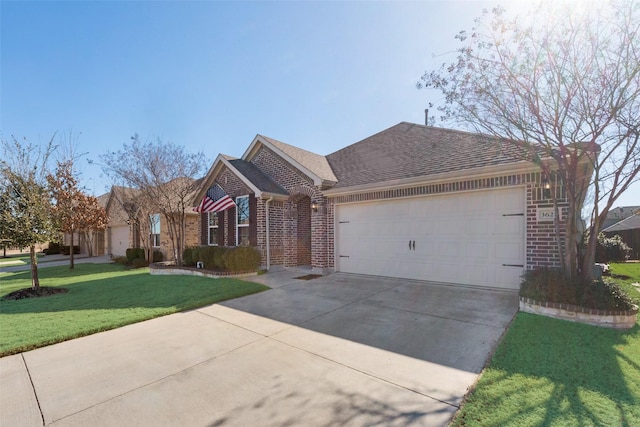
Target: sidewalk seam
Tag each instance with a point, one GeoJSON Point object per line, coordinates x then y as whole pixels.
{"type": "Point", "coordinates": [33, 387]}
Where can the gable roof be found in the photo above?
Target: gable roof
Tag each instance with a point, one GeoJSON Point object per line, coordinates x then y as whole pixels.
{"type": "Point", "coordinates": [311, 164]}
{"type": "Point", "coordinates": [409, 150]}
{"type": "Point", "coordinates": [257, 177]}
{"type": "Point", "coordinates": [249, 174]}
{"type": "Point", "coordinates": [629, 223]}
{"type": "Point", "coordinates": [103, 199]}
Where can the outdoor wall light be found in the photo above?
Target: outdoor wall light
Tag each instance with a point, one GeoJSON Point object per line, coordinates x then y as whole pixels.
{"type": "Point", "coordinates": [546, 187]}
{"type": "Point", "coordinates": [314, 207]}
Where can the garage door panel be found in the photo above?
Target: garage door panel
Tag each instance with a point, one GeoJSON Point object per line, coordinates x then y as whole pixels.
{"type": "Point", "coordinates": [460, 238]}
{"type": "Point", "coordinates": [119, 240]}
{"type": "Point", "coordinates": [476, 251]}
{"type": "Point", "coordinates": [509, 252]}
{"type": "Point", "coordinates": [510, 225]}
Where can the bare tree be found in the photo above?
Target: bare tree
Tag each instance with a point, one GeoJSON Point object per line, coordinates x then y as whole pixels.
{"type": "Point", "coordinates": [25, 214]}
{"type": "Point", "coordinates": [165, 175]}
{"type": "Point", "coordinates": [564, 84]}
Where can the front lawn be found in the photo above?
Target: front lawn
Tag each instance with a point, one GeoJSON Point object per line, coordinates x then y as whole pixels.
{"type": "Point", "coordinates": [626, 274]}
{"type": "Point", "coordinates": [549, 372]}
{"type": "Point", "coordinates": [13, 260]}
{"type": "Point", "coordinates": [101, 297]}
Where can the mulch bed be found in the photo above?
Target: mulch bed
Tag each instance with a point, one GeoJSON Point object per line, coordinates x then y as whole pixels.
{"type": "Point", "coordinates": [42, 291]}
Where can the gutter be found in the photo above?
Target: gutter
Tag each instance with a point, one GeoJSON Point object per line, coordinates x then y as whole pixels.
{"type": "Point", "coordinates": [266, 204]}
{"type": "Point", "coordinates": [522, 166]}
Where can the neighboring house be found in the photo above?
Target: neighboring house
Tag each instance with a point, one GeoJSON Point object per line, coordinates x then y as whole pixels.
{"type": "Point", "coordinates": [99, 237]}
{"type": "Point", "coordinates": [412, 201]}
{"type": "Point", "coordinates": [629, 230]}
{"type": "Point", "coordinates": [125, 229]}
{"type": "Point", "coordinates": [120, 233]}
{"type": "Point", "coordinates": [618, 214]}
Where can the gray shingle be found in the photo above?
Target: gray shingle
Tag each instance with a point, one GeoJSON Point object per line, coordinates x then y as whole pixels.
{"type": "Point", "coordinates": [255, 175]}
{"type": "Point", "coordinates": [408, 150]}
{"type": "Point", "coordinates": [316, 163]}
{"type": "Point", "coordinates": [630, 223]}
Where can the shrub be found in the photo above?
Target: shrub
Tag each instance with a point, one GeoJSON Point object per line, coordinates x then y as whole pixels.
{"type": "Point", "coordinates": [611, 249]}
{"type": "Point", "coordinates": [211, 256]}
{"type": "Point", "coordinates": [121, 260]}
{"type": "Point", "coordinates": [158, 256]}
{"type": "Point", "coordinates": [552, 285]}
{"type": "Point", "coordinates": [135, 253]}
{"type": "Point", "coordinates": [188, 258]}
{"type": "Point", "coordinates": [54, 248]}
{"type": "Point", "coordinates": [243, 258]}
{"type": "Point", "coordinates": [65, 250]}
{"type": "Point", "coordinates": [139, 263]}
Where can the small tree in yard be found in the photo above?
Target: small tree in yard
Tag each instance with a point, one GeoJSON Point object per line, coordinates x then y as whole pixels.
{"type": "Point", "coordinates": [92, 218]}
{"type": "Point", "coordinates": [564, 84]}
{"type": "Point", "coordinates": [164, 177]}
{"type": "Point", "coordinates": [67, 208]}
{"type": "Point", "coordinates": [25, 217]}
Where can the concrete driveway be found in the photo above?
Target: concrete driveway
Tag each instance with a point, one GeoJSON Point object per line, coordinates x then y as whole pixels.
{"type": "Point", "coordinates": [332, 351]}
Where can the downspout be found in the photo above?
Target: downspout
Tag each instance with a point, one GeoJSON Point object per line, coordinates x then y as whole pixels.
{"type": "Point", "coordinates": [267, 219]}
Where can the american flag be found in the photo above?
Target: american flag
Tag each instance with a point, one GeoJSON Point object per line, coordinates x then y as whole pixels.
{"type": "Point", "coordinates": [216, 200]}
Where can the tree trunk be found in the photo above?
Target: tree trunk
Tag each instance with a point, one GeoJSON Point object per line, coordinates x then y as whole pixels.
{"type": "Point", "coordinates": [589, 256]}
{"type": "Point", "coordinates": [35, 281]}
{"type": "Point", "coordinates": [71, 265]}
{"type": "Point", "coordinates": [561, 249]}
{"type": "Point", "coordinates": [571, 244]}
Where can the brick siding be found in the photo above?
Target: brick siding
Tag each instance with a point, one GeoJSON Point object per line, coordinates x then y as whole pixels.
{"type": "Point", "coordinates": [298, 235]}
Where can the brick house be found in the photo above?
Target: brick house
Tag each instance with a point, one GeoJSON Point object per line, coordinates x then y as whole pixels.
{"type": "Point", "coordinates": [123, 231]}
{"type": "Point", "coordinates": [412, 201]}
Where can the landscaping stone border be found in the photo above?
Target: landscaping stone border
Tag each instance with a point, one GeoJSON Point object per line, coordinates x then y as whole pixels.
{"type": "Point", "coordinates": [623, 319]}
{"type": "Point", "coordinates": [165, 269]}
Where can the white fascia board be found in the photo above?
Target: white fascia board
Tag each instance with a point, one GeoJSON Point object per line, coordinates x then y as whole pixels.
{"type": "Point", "coordinates": [317, 181]}
{"type": "Point", "coordinates": [476, 173]}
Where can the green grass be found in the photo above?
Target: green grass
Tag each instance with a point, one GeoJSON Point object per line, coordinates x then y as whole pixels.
{"type": "Point", "coordinates": [549, 372]}
{"type": "Point", "coordinates": [631, 270]}
{"type": "Point", "coordinates": [101, 297]}
{"type": "Point", "coordinates": [12, 260]}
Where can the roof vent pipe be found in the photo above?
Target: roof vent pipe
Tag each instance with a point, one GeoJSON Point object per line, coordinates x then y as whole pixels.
{"type": "Point", "coordinates": [426, 117]}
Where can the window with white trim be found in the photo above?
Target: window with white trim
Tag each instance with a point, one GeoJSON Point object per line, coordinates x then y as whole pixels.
{"type": "Point", "coordinates": [213, 228]}
{"type": "Point", "coordinates": [242, 221]}
{"type": "Point", "coordinates": [154, 227]}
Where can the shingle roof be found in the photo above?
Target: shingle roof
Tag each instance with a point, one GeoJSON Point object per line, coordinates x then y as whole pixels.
{"type": "Point", "coordinates": [257, 177]}
{"type": "Point", "coordinates": [630, 223]}
{"type": "Point", "coordinates": [408, 150]}
{"type": "Point", "coordinates": [103, 199]}
{"type": "Point", "coordinates": [314, 162]}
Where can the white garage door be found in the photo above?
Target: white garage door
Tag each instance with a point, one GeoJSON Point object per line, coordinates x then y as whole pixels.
{"type": "Point", "coordinates": [474, 238]}
{"type": "Point", "coordinates": [119, 240]}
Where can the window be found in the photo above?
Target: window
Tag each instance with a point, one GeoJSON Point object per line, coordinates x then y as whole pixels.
{"type": "Point", "coordinates": [242, 221]}
{"type": "Point", "coordinates": [213, 228]}
{"type": "Point", "coordinates": [154, 227]}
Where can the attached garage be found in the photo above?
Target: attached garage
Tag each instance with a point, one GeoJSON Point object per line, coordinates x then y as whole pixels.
{"type": "Point", "coordinates": [474, 238]}
{"type": "Point", "coordinates": [119, 242]}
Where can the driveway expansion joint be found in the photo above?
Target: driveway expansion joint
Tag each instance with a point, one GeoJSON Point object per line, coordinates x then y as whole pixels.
{"type": "Point", "coordinates": [33, 387]}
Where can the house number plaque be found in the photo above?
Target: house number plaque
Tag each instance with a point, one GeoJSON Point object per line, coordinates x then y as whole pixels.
{"type": "Point", "coordinates": [546, 214]}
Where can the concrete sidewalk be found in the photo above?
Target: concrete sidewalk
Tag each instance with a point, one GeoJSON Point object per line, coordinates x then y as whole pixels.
{"type": "Point", "coordinates": [337, 350]}
{"type": "Point", "coordinates": [58, 260]}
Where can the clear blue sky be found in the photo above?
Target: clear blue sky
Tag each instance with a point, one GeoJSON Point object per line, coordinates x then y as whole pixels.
{"type": "Point", "coordinates": [211, 75]}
